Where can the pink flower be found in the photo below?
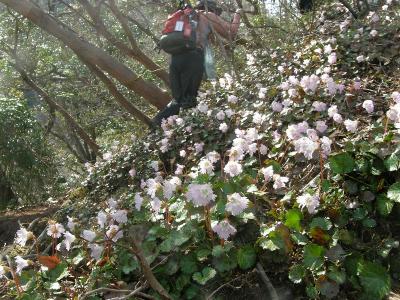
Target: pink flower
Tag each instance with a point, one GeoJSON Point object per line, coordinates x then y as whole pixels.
{"type": "Point", "coordinates": [224, 230]}
{"type": "Point", "coordinates": [233, 168]}
{"type": "Point", "coordinates": [236, 204]}
{"type": "Point", "coordinates": [279, 181]}
{"type": "Point", "coordinates": [223, 127]}
{"type": "Point", "coordinates": [200, 194]}
{"type": "Point", "coordinates": [373, 33]}
{"type": "Point", "coordinates": [396, 97]}
{"type": "Point", "coordinates": [311, 202]}
{"type": "Point", "coordinates": [332, 58]}
{"type": "Point", "coordinates": [351, 125]}
{"type": "Point", "coordinates": [138, 201]}
{"type": "Point", "coordinates": [321, 126]}
{"type": "Point", "coordinates": [337, 118]}
{"type": "Point", "coordinates": [276, 106]}
{"type": "Point", "coordinates": [268, 172]}
{"type": "Point", "coordinates": [319, 106]}
{"type": "Point", "coordinates": [220, 115]}
{"type": "Point", "coordinates": [368, 105]}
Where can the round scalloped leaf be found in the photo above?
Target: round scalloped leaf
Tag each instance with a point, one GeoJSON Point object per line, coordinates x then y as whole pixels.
{"type": "Point", "coordinates": [374, 279]}
{"type": "Point", "coordinates": [394, 192]}
{"type": "Point", "coordinates": [341, 163]}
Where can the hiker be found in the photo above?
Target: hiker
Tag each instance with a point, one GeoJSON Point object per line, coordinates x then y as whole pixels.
{"type": "Point", "coordinates": [187, 67]}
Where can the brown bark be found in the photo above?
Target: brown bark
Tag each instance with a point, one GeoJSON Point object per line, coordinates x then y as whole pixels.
{"type": "Point", "coordinates": [68, 118]}
{"type": "Point", "coordinates": [134, 51]}
{"type": "Point", "coordinates": [91, 53]}
{"type": "Point", "coordinates": [117, 95]}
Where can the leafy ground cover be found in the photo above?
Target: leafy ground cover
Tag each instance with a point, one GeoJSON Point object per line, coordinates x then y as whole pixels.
{"type": "Point", "coordinates": [291, 170]}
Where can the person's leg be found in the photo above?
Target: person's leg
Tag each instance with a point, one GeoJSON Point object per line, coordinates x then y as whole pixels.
{"type": "Point", "coordinates": [191, 78]}
{"type": "Point", "coordinates": [176, 90]}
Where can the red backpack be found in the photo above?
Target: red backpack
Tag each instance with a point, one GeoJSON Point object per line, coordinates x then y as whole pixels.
{"type": "Point", "coordinates": [179, 32]}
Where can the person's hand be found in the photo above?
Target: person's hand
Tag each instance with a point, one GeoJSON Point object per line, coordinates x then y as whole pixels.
{"type": "Point", "coordinates": [239, 11]}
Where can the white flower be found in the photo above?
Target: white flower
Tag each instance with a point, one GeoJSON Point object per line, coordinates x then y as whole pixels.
{"type": "Point", "coordinates": [263, 149]}
{"type": "Point", "coordinates": [326, 145]}
{"type": "Point", "coordinates": [206, 167]}
{"type": "Point", "coordinates": [21, 264]}
{"type": "Point", "coordinates": [368, 105]}
{"type": "Point", "coordinates": [337, 118]}
{"type": "Point", "coordinates": [268, 172]}
{"type": "Point", "coordinates": [373, 33]}
{"type": "Point", "coordinates": [202, 107]}
{"type": "Point", "coordinates": [107, 156]}
{"type": "Point", "coordinates": [236, 153]}
{"type": "Point", "coordinates": [279, 181]}
{"type": "Point", "coordinates": [199, 147]}
{"type": "Point", "coordinates": [224, 230]}
{"type": "Point", "coordinates": [182, 153]}
{"type": "Point", "coordinates": [101, 218]}
{"type": "Point", "coordinates": [154, 165]}
{"type": "Point", "coordinates": [258, 118]}
{"type": "Point", "coordinates": [88, 235]}
{"type": "Point", "coordinates": [3, 271]}
{"type": "Point", "coordinates": [284, 86]}
{"type": "Point", "coordinates": [276, 106]}
{"type": "Point", "coordinates": [252, 149]}
{"type": "Point", "coordinates": [220, 115]}
{"type": "Point", "coordinates": [311, 202]}
{"type": "Point", "coordinates": [120, 216]}
{"type": "Point", "coordinates": [213, 156]}
{"type": "Point", "coordinates": [229, 113]}
{"type": "Point", "coordinates": [132, 172]}
{"type": "Point", "coordinates": [179, 169]}
{"type": "Point", "coordinates": [55, 230]}
{"type": "Point", "coordinates": [200, 194]}
{"type": "Point", "coordinates": [396, 97]}
{"type": "Point", "coordinates": [96, 251]}
{"type": "Point", "coordinates": [360, 58]}
{"type": "Point", "coordinates": [138, 201]}
{"type": "Point", "coordinates": [351, 125]}
{"type": "Point", "coordinates": [155, 204]}
{"type": "Point", "coordinates": [309, 83]}
{"type": "Point", "coordinates": [292, 132]}
{"type": "Point", "coordinates": [321, 126]}
{"type": "Point", "coordinates": [69, 238]}
{"type": "Point", "coordinates": [112, 203]}
{"type": "Point", "coordinates": [306, 146]}
{"type": "Point", "coordinates": [332, 111]}
{"type": "Point", "coordinates": [312, 134]}
{"type": "Point", "coordinates": [319, 106]}
{"type": "Point", "coordinates": [327, 49]}
{"type": "Point", "coordinates": [113, 233]}
{"type": "Point", "coordinates": [71, 224]}
{"type": "Point", "coordinates": [332, 58]}
{"type": "Point", "coordinates": [223, 127]}
{"type": "Point", "coordinates": [152, 187]}
{"type": "Point", "coordinates": [232, 99]}
{"type": "Point", "coordinates": [23, 236]}
{"type": "Point", "coordinates": [233, 168]}
{"type": "Point", "coordinates": [236, 204]}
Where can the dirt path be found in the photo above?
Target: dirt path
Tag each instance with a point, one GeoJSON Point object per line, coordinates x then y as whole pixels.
{"type": "Point", "coordinates": [9, 220]}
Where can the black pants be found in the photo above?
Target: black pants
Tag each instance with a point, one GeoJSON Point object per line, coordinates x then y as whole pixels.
{"type": "Point", "coordinates": [185, 72]}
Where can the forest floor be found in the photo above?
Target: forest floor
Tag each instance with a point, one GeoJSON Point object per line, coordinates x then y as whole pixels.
{"type": "Point", "coordinates": [10, 219]}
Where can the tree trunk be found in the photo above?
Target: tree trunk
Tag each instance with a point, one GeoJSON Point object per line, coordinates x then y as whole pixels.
{"type": "Point", "coordinates": [6, 192]}
{"type": "Point", "coordinates": [134, 51]}
{"type": "Point", "coordinates": [68, 118]}
{"type": "Point", "coordinates": [91, 53]}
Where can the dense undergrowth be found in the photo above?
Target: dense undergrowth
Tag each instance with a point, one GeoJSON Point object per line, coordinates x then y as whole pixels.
{"type": "Point", "coordinates": [292, 167]}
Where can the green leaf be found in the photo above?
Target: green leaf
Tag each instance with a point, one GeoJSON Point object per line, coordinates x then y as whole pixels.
{"type": "Point", "coordinates": [206, 274]}
{"type": "Point", "coordinates": [323, 223]}
{"type": "Point", "coordinates": [394, 192]}
{"type": "Point", "coordinates": [202, 254]}
{"type": "Point", "coordinates": [336, 275]}
{"type": "Point", "coordinates": [392, 163]}
{"type": "Point", "coordinates": [384, 205]}
{"type": "Point", "coordinates": [311, 291]}
{"type": "Point", "coordinates": [313, 256]}
{"type": "Point", "coordinates": [59, 272]}
{"type": "Point", "coordinates": [297, 273]}
{"type": "Point", "coordinates": [370, 223]}
{"type": "Point", "coordinates": [293, 218]}
{"type": "Point", "coordinates": [182, 281]}
{"type": "Point", "coordinates": [246, 257]}
{"type": "Point", "coordinates": [217, 251]}
{"type": "Point", "coordinates": [299, 238]}
{"type": "Point", "coordinates": [341, 163]}
{"type": "Point", "coordinates": [188, 264]}
{"type": "Point", "coordinates": [225, 263]}
{"type": "Point", "coordinates": [374, 279]}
